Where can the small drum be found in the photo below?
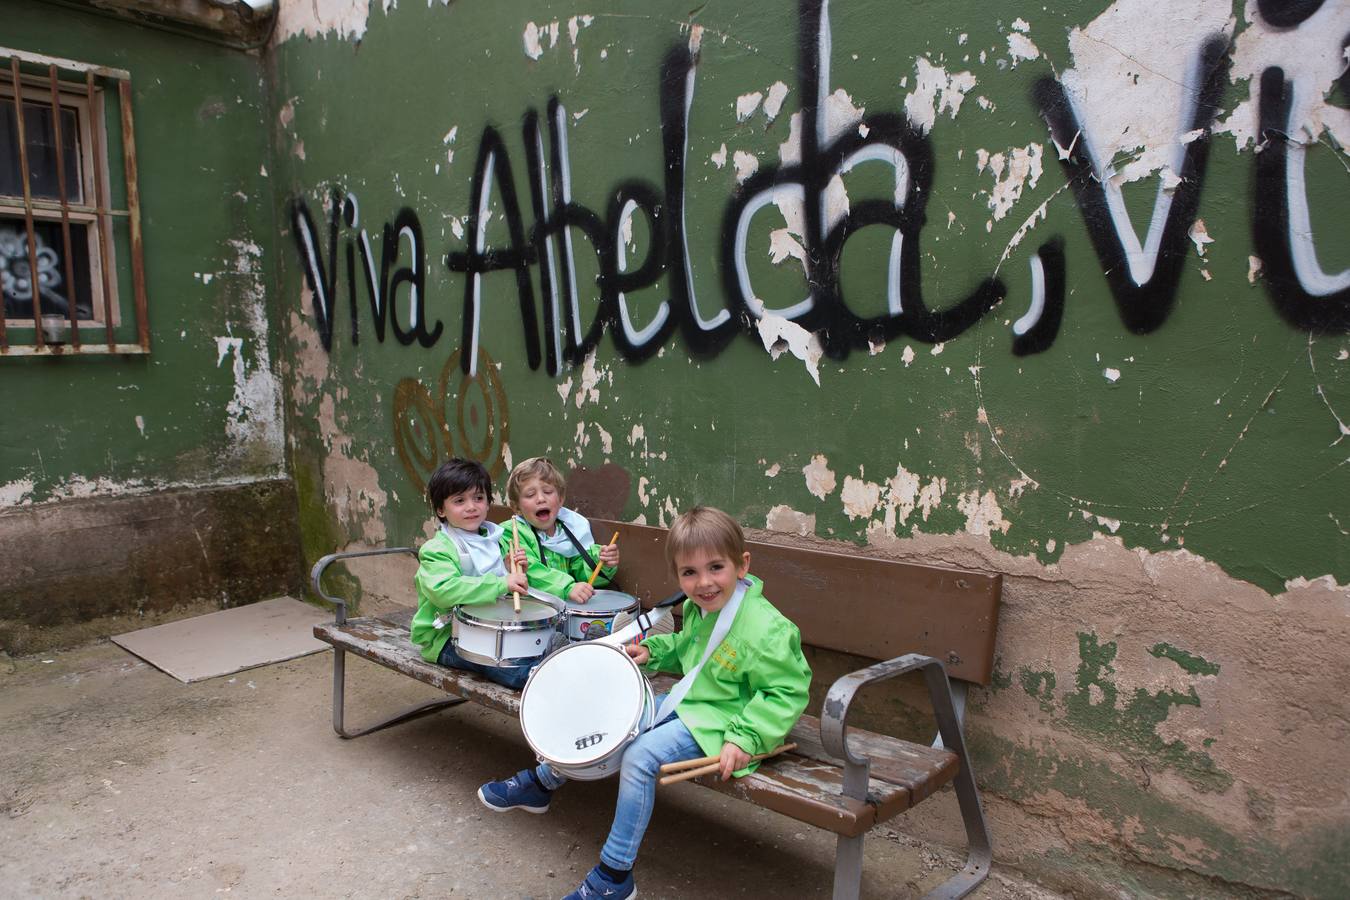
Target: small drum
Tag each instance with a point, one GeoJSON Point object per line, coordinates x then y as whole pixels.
{"type": "Point", "coordinates": [496, 635]}
{"type": "Point", "coordinates": [583, 706]}
{"type": "Point", "coordinates": [595, 618]}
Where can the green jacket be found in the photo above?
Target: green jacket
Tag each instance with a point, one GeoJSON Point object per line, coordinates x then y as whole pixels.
{"type": "Point", "coordinates": [554, 573]}
{"type": "Point", "coordinates": [755, 685]}
{"type": "Point", "coordinates": [442, 587]}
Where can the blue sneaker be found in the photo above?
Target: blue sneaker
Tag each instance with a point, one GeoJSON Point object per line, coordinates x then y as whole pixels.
{"type": "Point", "coordinates": [597, 885]}
{"type": "Point", "coordinates": [517, 792]}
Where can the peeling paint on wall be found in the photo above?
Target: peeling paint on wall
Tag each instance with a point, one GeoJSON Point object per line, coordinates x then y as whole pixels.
{"type": "Point", "coordinates": [672, 263]}
{"type": "Point", "coordinates": [819, 479]}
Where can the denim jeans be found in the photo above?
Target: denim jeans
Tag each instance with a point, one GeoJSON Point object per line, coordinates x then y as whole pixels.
{"type": "Point", "coordinates": [670, 741]}
{"type": "Point", "coordinates": [508, 676]}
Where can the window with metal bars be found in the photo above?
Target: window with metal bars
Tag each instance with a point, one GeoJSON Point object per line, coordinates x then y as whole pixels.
{"type": "Point", "coordinates": [60, 232]}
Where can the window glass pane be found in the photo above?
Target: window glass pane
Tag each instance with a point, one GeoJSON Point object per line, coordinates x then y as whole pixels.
{"type": "Point", "coordinates": [37, 122]}
{"type": "Point", "coordinates": [16, 282]}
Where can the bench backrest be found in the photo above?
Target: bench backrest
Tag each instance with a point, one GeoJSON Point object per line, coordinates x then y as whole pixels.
{"type": "Point", "coordinates": [869, 607]}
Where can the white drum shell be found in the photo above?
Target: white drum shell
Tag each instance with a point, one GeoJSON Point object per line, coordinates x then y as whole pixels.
{"type": "Point", "coordinates": [507, 640]}
{"type": "Point", "coordinates": [583, 706]}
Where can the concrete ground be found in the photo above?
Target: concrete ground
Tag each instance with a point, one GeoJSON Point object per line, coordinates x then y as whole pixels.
{"type": "Point", "coordinates": [118, 781]}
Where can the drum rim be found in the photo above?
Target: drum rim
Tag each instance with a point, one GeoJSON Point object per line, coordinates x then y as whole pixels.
{"type": "Point", "coordinates": [581, 609]}
{"type": "Point", "coordinates": [494, 662]}
{"type": "Point", "coordinates": [628, 729]}
{"type": "Point", "coordinates": [462, 615]}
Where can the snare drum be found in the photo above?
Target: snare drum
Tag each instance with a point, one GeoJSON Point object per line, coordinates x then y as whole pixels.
{"type": "Point", "coordinates": [595, 618]}
{"type": "Point", "coordinates": [496, 635]}
{"type": "Point", "coordinates": [583, 706]}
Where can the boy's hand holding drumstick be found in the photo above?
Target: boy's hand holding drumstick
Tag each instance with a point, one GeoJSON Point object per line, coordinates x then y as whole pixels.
{"type": "Point", "coordinates": [516, 580]}
{"type": "Point", "coordinates": [609, 556]}
{"type": "Point", "coordinates": [731, 759]}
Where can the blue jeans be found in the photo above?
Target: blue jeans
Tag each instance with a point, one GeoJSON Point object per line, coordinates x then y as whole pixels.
{"type": "Point", "coordinates": [670, 741]}
{"type": "Point", "coordinates": [508, 676]}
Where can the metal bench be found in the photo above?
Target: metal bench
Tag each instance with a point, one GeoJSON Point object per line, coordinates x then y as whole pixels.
{"type": "Point", "coordinates": [841, 779]}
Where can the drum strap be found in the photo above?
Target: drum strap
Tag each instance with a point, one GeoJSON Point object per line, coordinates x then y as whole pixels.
{"type": "Point", "coordinates": [719, 634]}
{"type": "Point", "coordinates": [590, 561]}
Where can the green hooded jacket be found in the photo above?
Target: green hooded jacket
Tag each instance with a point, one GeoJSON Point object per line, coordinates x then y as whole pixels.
{"type": "Point", "coordinates": [752, 689]}
{"type": "Point", "coordinates": [552, 572]}
{"type": "Point", "coordinates": [441, 586]}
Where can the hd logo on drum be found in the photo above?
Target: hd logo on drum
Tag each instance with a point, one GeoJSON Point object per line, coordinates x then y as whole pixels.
{"type": "Point", "coordinates": [590, 740]}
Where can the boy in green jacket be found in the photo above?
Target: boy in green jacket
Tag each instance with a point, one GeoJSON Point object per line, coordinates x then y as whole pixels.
{"type": "Point", "coordinates": [559, 548]}
{"type": "Point", "coordinates": [749, 686]}
{"type": "Point", "coordinates": [461, 564]}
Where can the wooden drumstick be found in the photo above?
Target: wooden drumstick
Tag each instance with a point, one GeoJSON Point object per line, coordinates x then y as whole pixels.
{"type": "Point", "coordinates": [596, 571]}
{"type": "Point", "coordinates": [681, 765]}
{"type": "Point", "coordinates": [515, 546]}
{"type": "Point", "coordinates": [689, 769]}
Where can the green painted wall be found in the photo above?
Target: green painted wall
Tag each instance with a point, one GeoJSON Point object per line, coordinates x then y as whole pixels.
{"type": "Point", "coordinates": [204, 407]}
{"type": "Point", "coordinates": [1161, 475]}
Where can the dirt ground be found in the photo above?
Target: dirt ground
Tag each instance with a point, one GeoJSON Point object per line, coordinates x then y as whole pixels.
{"type": "Point", "coordinates": [118, 781]}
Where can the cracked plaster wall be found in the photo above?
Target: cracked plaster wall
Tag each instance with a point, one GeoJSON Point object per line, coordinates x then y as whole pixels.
{"type": "Point", "coordinates": [203, 411]}
{"type": "Point", "coordinates": [1160, 475]}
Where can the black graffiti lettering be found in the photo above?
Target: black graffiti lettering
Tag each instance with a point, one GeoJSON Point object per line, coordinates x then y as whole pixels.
{"type": "Point", "coordinates": [414, 275]}
{"type": "Point", "coordinates": [890, 140]}
{"type": "Point", "coordinates": [1305, 296]}
{"type": "Point", "coordinates": [320, 278]}
{"type": "Point", "coordinates": [376, 290]}
{"type": "Point", "coordinates": [1143, 279]}
{"type": "Point", "coordinates": [1036, 331]}
{"type": "Point", "coordinates": [351, 215]}
{"type": "Point", "coordinates": [542, 240]}
{"type": "Point", "coordinates": [564, 216]}
{"type": "Point", "coordinates": [704, 337]}
{"type": "Point", "coordinates": [494, 166]}
{"type": "Point", "coordinates": [1287, 13]}
{"type": "Point", "coordinates": [636, 343]}
{"type": "Point", "coordinates": [1143, 276]}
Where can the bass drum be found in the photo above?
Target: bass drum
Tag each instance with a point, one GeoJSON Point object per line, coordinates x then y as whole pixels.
{"type": "Point", "coordinates": [583, 706]}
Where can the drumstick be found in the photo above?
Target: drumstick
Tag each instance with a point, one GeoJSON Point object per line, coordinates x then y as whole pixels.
{"type": "Point", "coordinates": [515, 546]}
{"type": "Point", "coordinates": [688, 774]}
{"type": "Point", "coordinates": [596, 571]}
{"type": "Point", "coordinates": [668, 768]}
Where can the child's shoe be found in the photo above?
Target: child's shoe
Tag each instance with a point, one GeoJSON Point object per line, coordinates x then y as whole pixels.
{"type": "Point", "coordinates": [520, 791]}
{"type": "Point", "coordinates": [598, 885]}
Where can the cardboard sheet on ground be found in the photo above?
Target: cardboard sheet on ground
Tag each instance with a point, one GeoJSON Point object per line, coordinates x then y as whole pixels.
{"type": "Point", "coordinates": [228, 641]}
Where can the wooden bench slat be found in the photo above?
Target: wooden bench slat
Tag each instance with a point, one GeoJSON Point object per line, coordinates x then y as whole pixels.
{"type": "Point", "coordinates": [804, 785]}
{"type": "Point", "coordinates": [809, 792]}
{"type": "Point", "coordinates": [917, 768]}
{"type": "Point", "coordinates": [387, 644]}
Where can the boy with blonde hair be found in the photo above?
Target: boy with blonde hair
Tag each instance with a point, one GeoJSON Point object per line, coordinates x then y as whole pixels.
{"type": "Point", "coordinates": [739, 697]}
{"type": "Point", "coordinates": [560, 551]}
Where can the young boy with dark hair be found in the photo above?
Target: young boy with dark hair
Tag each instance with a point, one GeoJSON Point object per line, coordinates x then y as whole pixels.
{"type": "Point", "coordinates": [746, 683]}
{"type": "Point", "coordinates": [461, 564]}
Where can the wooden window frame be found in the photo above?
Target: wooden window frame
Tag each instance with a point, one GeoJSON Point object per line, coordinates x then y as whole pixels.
{"type": "Point", "coordinates": [34, 78]}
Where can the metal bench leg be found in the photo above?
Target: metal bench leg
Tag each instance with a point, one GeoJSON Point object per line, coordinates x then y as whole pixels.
{"type": "Point", "coordinates": [959, 689]}
{"type": "Point", "coordinates": [848, 860]}
{"type": "Point", "coordinates": [980, 853]}
{"type": "Point", "coordinates": [412, 712]}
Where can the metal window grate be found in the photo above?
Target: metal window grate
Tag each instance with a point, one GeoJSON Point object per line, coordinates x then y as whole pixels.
{"type": "Point", "coordinates": [37, 89]}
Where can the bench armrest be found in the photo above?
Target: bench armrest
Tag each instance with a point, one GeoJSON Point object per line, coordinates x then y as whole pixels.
{"type": "Point", "coordinates": [316, 574]}
{"type": "Point", "coordinates": [834, 714]}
